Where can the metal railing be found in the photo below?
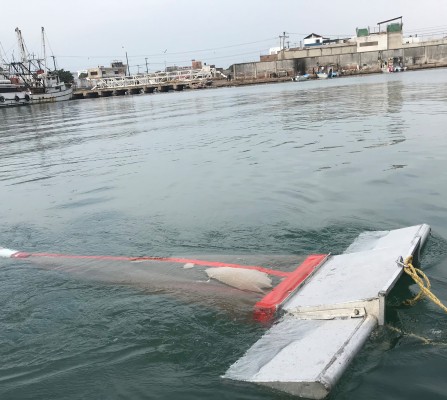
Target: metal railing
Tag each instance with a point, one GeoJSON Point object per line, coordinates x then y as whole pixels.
{"type": "Point", "coordinates": [179, 76]}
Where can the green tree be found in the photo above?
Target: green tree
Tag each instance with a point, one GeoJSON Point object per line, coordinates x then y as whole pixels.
{"type": "Point", "coordinates": [65, 76]}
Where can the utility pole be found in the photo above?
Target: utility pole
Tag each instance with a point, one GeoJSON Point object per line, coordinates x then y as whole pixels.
{"type": "Point", "coordinates": [127, 61]}
{"type": "Point", "coordinates": [128, 68]}
{"type": "Point", "coordinates": [282, 46]}
{"type": "Point", "coordinates": [282, 40]}
{"type": "Point", "coordinates": [147, 70]}
{"type": "Point", "coordinates": [165, 57]}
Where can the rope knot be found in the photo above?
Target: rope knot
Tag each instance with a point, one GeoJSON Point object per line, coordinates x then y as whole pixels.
{"type": "Point", "coordinates": [422, 281]}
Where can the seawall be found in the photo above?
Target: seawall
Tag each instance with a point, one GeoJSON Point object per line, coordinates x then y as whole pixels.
{"type": "Point", "coordinates": [345, 59]}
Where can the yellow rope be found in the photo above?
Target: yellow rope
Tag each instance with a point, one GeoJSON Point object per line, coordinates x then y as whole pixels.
{"type": "Point", "coordinates": [423, 282]}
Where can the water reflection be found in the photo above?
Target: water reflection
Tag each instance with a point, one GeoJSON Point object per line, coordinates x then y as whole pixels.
{"type": "Point", "coordinates": [394, 96]}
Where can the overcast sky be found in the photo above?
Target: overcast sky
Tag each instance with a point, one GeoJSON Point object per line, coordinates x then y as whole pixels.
{"type": "Point", "coordinates": [83, 34]}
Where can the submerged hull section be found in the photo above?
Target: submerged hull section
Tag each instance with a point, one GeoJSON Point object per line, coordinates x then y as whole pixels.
{"type": "Point", "coordinates": [189, 279]}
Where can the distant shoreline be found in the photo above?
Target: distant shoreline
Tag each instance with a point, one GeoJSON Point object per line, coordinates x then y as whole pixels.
{"type": "Point", "coordinates": [238, 82]}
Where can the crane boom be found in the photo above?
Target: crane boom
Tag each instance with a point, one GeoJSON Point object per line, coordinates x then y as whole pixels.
{"type": "Point", "coordinates": [22, 46]}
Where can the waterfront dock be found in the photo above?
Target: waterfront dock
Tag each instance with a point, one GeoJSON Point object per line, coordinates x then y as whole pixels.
{"type": "Point", "coordinates": [99, 92]}
{"type": "Point", "coordinates": [122, 91]}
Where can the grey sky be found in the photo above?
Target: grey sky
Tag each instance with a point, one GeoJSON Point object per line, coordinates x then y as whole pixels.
{"type": "Point", "coordinates": [89, 33]}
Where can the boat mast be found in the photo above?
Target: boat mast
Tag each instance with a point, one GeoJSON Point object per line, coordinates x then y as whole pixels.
{"type": "Point", "coordinates": [44, 50]}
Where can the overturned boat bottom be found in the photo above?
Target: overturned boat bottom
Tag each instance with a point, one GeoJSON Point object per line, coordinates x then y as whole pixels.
{"type": "Point", "coordinates": [324, 307]}
{"type": "Point", "coordinates": [328, 319]}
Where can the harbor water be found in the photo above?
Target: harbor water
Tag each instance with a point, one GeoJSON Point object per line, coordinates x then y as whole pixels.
{"type": "Point", "coordinates": [282, 169]}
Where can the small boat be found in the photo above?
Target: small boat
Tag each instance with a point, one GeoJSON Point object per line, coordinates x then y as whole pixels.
{"type": "Point", "coordinates": [13, 94]}
{"type": "Point", "coordinates": [300, 78]}
{"type": "Point", "coordinates": [325, 75]}
{"type": "Point", "coordinates": [393, 65]}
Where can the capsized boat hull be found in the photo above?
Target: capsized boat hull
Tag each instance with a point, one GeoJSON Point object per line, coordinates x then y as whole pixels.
{"type": "Point", "coordinates": [327, 321]}
{"type": "Point", "coordinates": [327, 306]}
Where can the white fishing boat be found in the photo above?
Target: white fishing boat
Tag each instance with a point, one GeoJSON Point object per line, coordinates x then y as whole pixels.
{"type": "Point", "coordinates": [47, 88]}
{"type": "Point", "coordinates": [43, 84]}
{"type": "Point", "coordinates": [325, 309]}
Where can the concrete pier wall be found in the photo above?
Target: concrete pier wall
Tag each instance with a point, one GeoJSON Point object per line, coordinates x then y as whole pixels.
{"type": "Point", "coordinates": [344, 59]}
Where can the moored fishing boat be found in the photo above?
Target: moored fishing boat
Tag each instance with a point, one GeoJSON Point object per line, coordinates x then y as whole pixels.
{"type": "Point", "coordinates": [47, 88]}
{"type": "Point", "coordinates": [44, 85]}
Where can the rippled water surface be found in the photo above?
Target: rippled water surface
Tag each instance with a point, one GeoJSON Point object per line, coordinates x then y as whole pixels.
{"type": "Point", "coordinates": [286, 169]}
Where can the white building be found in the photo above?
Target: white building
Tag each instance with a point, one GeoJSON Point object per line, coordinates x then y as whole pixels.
{"type": "Point", "coordinates": [117, 68]}
{"type": "Point", "coordinates": [314, 40]}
